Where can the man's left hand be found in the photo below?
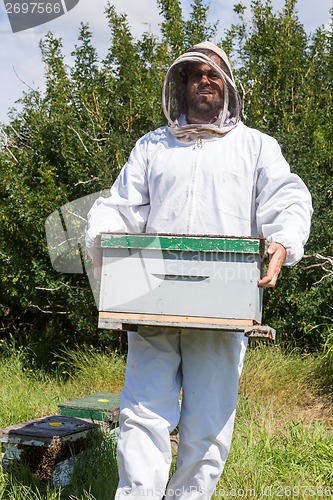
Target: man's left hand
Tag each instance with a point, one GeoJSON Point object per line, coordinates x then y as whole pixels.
{"type": "Point", "coordinates": [277, 254]}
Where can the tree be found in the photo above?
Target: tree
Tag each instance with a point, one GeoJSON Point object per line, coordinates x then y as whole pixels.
{"type": "Point", "coordinates": [73, 140]}
{"type": "Point", "coordinates": [65, 144]}
{"type": "Point", "coordinates": [287, 82]}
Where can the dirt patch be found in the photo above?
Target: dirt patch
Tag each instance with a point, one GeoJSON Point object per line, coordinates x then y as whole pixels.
{"type": "Point", "coordinates": [320, 409]}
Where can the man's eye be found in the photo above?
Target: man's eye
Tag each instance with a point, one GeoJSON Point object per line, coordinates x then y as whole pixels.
{"type": "Point", "coordinates": [197, 75]}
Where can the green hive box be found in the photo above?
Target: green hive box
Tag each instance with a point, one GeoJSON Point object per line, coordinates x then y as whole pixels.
{"type": "Point", "coordinates": [101, 406]}
{"type": "Point", "coordinates": [182, 281]}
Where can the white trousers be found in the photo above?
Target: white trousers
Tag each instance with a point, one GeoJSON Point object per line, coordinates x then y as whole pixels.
{"type": "Point", "coordinates": [206, 366]}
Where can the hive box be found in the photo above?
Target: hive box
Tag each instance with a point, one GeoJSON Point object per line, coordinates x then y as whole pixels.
{"type": "Point", "coordinates": [49, 446]}
{"type": "Point", "coordinates": [100, 406]}
{"type": "Point", "coordinates": [182, 281]}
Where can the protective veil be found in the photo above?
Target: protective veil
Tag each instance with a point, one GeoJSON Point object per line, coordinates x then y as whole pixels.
{"type": "Point", "coordinates": [174, 99]}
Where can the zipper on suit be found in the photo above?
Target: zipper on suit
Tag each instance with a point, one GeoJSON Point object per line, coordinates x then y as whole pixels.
{"type": "Point", "coordinates": [198, 144]}
{"type": "Point", "coordinates": [195, 161]}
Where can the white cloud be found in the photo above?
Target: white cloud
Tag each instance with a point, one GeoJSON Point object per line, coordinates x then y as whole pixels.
{"type": "Point", "coordinates": [20, 56]}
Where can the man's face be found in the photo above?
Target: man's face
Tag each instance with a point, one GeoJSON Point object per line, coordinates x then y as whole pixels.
{"type": "Point", "coordinates": [204, 93]}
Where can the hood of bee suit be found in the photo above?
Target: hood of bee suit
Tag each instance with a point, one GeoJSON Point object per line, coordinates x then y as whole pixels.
{"type": "Point", "coordinates": [174, 96]}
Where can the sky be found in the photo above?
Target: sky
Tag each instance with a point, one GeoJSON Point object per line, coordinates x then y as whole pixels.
{"type": "Point", "coordinates": [20, 60]}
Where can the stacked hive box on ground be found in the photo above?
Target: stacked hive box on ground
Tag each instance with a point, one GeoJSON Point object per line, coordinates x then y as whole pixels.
{"type": "Point", "coordinates": [100, 407]}
{"type": "Point", "coordinates": [47, 446]}
{"type": "Point", "coordinates": [50, 446]}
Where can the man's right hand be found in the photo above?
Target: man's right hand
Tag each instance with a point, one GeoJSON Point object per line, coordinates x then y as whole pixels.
{"type": "Point", "coordinates": [277, 254]}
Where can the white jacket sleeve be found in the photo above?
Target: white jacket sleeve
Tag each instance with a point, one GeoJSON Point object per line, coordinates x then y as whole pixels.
{"type": "Point", "coordinates": [283, 203]}
{"type": "Point", "coordinates": [127, 208]}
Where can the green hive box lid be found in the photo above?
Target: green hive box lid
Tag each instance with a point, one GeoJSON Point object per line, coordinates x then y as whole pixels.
{"type": "Point", "coordinates": [103, 406]}
{"type": "Point", "coordinates": [183, 243]}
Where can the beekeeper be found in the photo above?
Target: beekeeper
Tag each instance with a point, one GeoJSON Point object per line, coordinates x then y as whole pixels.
{"type": "Point", "coordinates": [203, 173]}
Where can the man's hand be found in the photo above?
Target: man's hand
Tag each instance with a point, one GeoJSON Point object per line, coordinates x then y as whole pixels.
{"type": "Point", "coordinates": [277, 254]}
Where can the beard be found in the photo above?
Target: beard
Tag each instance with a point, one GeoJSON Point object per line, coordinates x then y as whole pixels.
{"type": "Point", "coordinates": [202, 109]}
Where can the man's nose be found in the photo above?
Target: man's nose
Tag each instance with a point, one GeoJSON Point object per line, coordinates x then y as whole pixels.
{"type": "Point", "coordinates": [204, 78]}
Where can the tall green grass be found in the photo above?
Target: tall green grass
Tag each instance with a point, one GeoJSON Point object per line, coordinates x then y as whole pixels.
{"type": "Point", "coordinates": [28, 393]}
{"type": "Point", "coordinates": [283, 442]}
{"type": "Point", "coordinates": [283, 445]}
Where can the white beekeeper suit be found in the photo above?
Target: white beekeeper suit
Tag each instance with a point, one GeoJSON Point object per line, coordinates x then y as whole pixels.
{"type": "Point", "coordinates": [221, 178]}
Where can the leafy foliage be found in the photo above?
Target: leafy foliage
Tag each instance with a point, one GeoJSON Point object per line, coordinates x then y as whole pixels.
{"type": "Point", "coordinates": [65, 144]}
{"type": "Point", "coordinates": [73, 139]}
{"type": "Point", "coordinates": [287, 81]}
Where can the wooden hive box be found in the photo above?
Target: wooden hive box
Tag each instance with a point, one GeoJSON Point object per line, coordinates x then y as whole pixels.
{"type": "Point", "coordinates": [47, 446]}
{"type": "Point", "coordinates": [181, 281]}
{"type": "Point", "coordinates": [98, 407]}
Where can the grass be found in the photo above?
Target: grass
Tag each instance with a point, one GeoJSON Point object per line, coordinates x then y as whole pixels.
{"type": "Point", "coordinates": [28, 393]}
{"type": "Point", "coordinates": [283, 442]}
